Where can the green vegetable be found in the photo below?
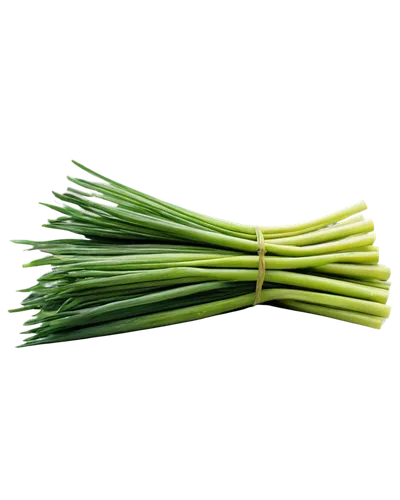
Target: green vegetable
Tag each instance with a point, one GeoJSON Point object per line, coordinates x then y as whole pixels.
{"type": "Point", "coordinates": [146, 263]}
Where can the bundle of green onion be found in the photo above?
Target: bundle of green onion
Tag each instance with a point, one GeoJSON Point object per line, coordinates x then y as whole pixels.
{"type": "Point", "coordinates": [146, 263]}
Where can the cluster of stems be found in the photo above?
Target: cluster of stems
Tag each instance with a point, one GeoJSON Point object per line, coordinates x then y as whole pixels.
{"type": "Point", "coordinates": [145, 263]}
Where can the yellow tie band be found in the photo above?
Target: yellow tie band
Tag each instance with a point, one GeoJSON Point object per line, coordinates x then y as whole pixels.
{"type": "Point", "coordinates": [261, 265]}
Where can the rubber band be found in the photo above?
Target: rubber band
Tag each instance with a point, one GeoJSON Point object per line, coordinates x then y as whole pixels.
{"type": "Point", "coordinates": [261, 265]}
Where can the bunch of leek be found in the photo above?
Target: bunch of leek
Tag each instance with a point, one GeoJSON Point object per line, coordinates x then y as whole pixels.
{"type": "Point", "coordinates": [146, 263]}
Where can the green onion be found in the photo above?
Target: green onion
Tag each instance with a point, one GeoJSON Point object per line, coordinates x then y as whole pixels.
{"type": "Point", "coordinates": [145, 263]}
